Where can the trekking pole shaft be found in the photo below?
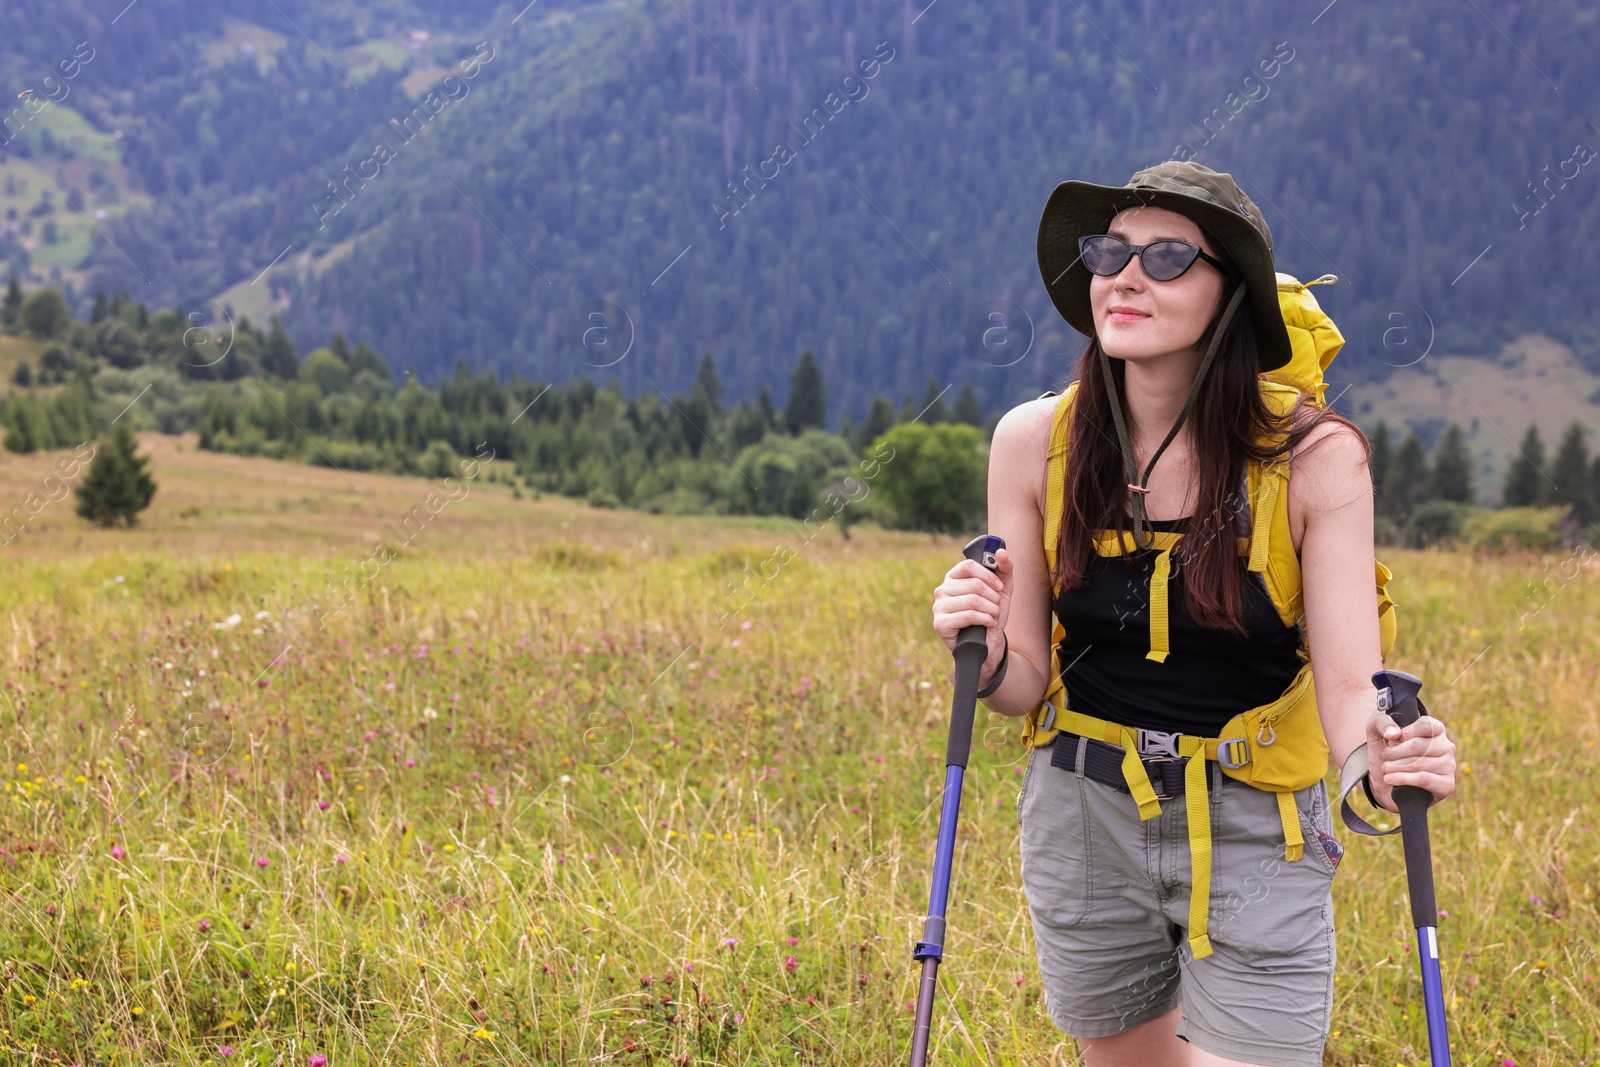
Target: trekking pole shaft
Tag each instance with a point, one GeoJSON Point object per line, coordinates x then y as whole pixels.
{"type": "Point", "coordinates": [1433, 995]}
{"type": "Point", "coordinates": [930, 950]}
{"type": "Point", "coordinates": [919, 1036]}
{"type": "Point", "coordinates": [1413, 804]}
{"type": "Point", "coordinates": [972, 648]}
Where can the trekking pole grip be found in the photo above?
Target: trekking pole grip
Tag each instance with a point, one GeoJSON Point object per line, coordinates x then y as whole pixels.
{"type": "Point", "coordinates": [1397, 694]}
{"type": "Point", "coordinates": [972, 648]}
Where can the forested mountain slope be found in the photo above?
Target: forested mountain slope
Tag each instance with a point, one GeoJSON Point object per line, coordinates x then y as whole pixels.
{"type": "Point", "coordinates": [892, 159]}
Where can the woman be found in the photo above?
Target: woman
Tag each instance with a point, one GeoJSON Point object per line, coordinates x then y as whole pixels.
{"type": "Point", "coordinates": [1171, 277]}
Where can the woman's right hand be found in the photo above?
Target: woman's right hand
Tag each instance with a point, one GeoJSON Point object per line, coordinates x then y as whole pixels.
{"type": "Point", "coordinates": [973, 595]}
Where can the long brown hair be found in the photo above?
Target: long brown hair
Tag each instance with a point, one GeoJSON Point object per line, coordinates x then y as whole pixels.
{"type": "Point", "coordinates": [1227, 420]}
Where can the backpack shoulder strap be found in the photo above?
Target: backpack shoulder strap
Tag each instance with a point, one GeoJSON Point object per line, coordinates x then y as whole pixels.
{"type": "Point", "coordinates": [1271, 544]}
{"type": "Point", "coordinates": [1056, 473]}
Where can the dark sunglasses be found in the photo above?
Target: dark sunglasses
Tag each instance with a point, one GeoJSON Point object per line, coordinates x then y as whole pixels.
{"type": "Point", "coordinates": [1163, 261]}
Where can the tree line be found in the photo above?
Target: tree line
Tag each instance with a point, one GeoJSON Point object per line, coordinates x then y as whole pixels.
{"type": "Point", "coordinates": [1424, 499]}
{"type": "Point", "coordinates": [250, 392]}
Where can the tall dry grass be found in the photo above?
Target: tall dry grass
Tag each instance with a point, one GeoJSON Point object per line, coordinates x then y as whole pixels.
{"type": "Point", "coordinates": [556, 798]}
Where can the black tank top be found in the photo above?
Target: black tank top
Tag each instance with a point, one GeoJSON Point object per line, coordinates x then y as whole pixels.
{"type": "Point", "coordinates": [1209, 675]}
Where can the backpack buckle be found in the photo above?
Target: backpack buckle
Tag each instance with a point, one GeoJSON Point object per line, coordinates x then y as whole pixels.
{"type": "Point", "coordinates": [1158, 743]}
{"type": "Point", "coordinates": [1048, 719]}
{"type": "Point", "coordinates": [1233, 752]}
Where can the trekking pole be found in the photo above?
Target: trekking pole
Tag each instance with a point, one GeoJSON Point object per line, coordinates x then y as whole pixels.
{"type": "Point", "coordinates": [972, 648]}
{"type": "Point", "coordinates": [1397, 695]}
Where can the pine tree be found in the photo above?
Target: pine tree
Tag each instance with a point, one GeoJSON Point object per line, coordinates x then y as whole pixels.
{"type": "Point", "coordinates": [908, 410]}
{"type": "Point", "coordinates": [117, 486]}
{"type": "Point", "coordinates": [707, 384]}
{"type": "Point", "coordinates": [340, 347]}
{"type": "Point", "coordinates": [769, 413]}
{"type": "Point", "coordinates": [880, 416]}
{"type": "Point", "coordinates": [1409, 484]}
{"type": "Point", "coordinates": [1571, 475]}
{"type": "Point", "coordinates": [696, 419]}
{"type": "Point", "coordinates": [1382, 463]}
{"type": "Point", "coordinates": [1452, 468]}
{"type": "Point", "coordinates": [968, 409]}
{"type": "Point", "coordinates": [23, 375]}
{"type": "Point", "coordinates": [278, 356]}
{"type": "Point", "coordinates": [1594, 478]}
{"type": "Point", "coordinates": [365, 357]}
{"type": "Point", "coordinates": [747, 425]}
{"type": "Point", "coordinates": [12, 307]}
{"type": "Point", "coordinates": [27, 425]}
{"type": "Point", "coordinates": [102, 307]}
{"type": "Point", "coordinates": [1525, 478]}
{"type": "Point", "coordinates": [45, 314]}
{"type": "Point", "coordinates": [932, 410]}
{"type": "Point", "coordinates": [808, 399]}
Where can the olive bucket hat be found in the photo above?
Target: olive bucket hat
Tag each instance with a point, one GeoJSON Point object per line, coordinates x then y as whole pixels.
{"type": "Point", "coordinates": [1215, 203]}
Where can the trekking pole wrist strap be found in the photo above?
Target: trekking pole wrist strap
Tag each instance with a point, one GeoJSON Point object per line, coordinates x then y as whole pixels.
{"type": "Point", "coordinates": [1000, 672]}
{"type": "Point", "coordinates": [1354, 773]}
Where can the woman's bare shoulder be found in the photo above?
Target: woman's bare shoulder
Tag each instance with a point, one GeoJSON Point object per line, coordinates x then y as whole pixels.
{"type": "Point", "coordinates": [1029, 423]}
{"type": "Point", "coordinates": [1021, 442]}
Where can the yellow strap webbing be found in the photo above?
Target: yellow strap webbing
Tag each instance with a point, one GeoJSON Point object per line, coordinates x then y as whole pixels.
{"type": "Point", "coordinates": [1158, 607]}
{"type": "Point", "coordinates": [1262, 522]}
{"type": "Point", "coordinates": [1105, 543]}
{"type": "Point", "coordinates": [1292, 838]}
{"type": "Point", "coordinates": [1056, 466]}
{"type": "Point", "coordinates": [1133, 771]}
{"type": "Point", "coordinates": [1194, 794]}
{"type": "Point", "coordinates": [1138, 779]}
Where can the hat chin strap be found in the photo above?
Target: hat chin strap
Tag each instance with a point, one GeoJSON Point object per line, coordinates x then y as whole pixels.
{"type": "Point", "coordinates": [1137, 487]}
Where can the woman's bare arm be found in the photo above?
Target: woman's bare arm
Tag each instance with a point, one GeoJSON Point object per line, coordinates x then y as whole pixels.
{"type": "Point", "coordinates": [1332, 485]}
{"type": "Point", "coordinates": [1016, 491]}
{"type": "Point", "coordinates": [1333, 488]}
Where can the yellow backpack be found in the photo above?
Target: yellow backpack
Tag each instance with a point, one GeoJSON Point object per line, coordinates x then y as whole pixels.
{"type": "Point", "coordinates": [1279, 746]}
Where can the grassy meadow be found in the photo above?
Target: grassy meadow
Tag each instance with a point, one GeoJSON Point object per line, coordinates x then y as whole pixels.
{"type": "Point", "coordinates": [541, 789]}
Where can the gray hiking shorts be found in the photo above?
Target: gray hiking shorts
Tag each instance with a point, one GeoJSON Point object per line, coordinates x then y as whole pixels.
{"type": "Point", "coordinates": [1109, 899]}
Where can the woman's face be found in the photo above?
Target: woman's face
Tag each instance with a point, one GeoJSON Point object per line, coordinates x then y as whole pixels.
{"type": "Point", "coordinates": [1137, 318]}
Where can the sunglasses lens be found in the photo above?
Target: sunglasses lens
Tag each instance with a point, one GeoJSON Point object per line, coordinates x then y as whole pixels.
{"type": "Point", "coordinates": [1104, 255]}
{"type": "Point", "coordinates": [1166, 260]}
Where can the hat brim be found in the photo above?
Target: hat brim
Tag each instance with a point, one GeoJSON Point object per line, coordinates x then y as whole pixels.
{"type": "Point", "coordinates": [1076, 209]}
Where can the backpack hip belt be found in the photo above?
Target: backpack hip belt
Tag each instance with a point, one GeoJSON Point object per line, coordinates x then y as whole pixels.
{"type": "Point", "coordinates": [1278, 747]}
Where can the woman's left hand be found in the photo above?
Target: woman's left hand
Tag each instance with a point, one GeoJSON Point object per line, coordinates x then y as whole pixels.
{"type": "Point", "coordinates": [1421, 754]}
